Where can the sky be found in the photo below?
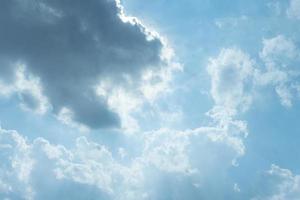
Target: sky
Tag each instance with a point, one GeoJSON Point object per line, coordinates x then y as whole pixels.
{"type": "Point", "coordinates": [154, 100]}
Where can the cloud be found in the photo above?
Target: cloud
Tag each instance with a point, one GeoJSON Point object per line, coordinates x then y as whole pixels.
{"type": "Point", "coordinates": [16, 166]}
{"type": "Point", "coordinates": [279, 184]}
{"type": "Point", "coordinates": [236, 77]}
{"type": "Point", "coordinates": [281, 57]}
{"type": "Point", "coordinates": [278, 50]}
{"type": "Point", "coordinates": [231, 75]}
{"type": "Point", "coordinates": [71, 47]}
{"type": "Point", "coordinates": [191, 160]}
{"type": "Point", "coordinates": [40, 170]}
{"type": "Point", "coordinates": [294, 9]}
{"type": "Point", "coordinates": [231, 22]}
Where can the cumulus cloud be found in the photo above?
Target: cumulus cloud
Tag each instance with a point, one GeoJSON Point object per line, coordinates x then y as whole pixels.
{"type": "Point", "coordinates": [16, 166]}
{"type": "Point", "coordinates": [91, 64]}
{"type": "Point", "coordinates": [40, 170]}
{"type": "Point", "coordinates": [231, 79]}
{"type": "Point", "coordinates": [235, 76]}
{"type": "Point", "coordinates": [281, 58]}
{"type": "Point", "coordinates": [278, 50]}
{"type": "Point", "coordinates": [71, 46]}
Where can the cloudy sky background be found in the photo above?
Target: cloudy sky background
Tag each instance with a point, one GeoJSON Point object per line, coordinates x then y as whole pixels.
{"type": "Point", "coordinates": [158, 99]}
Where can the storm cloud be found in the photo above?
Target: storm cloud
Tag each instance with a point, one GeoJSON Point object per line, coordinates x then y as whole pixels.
{"type": "Point", "coordinates": [71, 45]}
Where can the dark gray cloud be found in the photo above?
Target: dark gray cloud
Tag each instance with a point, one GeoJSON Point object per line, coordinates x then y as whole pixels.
{"type": "Point", "coordinates": [71, 45]}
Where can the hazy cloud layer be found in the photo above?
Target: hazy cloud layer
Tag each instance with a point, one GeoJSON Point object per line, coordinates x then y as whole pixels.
{"type": "Point", "coordinates": [278, 184]}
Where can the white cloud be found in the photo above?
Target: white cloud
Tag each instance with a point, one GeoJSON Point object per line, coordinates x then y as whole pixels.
{"type": "Point", "coordinates": [66, 116]}
{"type": "Point", "coordinates": [278, 49]}
{"type": "Point", "coordinates": [280, 184]}
{"type": "Point", "coordinates": [285, 95]}
{"type": "Point", "coordinates": [123, 102]}
{"type": "Point", "coordinates": [167, 150]}
{"type": "Point", "coordinates": [231, 79]}
{"type": "Point", "coordinates": [280, 55]}
{"type": "Point", "coordinates": [294, 9]}
{"type": "Point", "coordinates": [16, 165]}
{"type": "Point", "coordinates": [191, 153]}
{"type": "Point", "coordinates": [235, 77]}
{"type": "Point", "coordinates": [28, 88]}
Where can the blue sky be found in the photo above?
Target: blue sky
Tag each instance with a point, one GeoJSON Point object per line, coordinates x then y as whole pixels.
{"type": "Point", "coordinates": [161, 99]}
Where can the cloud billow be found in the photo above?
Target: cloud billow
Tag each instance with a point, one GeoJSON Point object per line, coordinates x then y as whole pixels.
{"type": "Point", "coordinates": [71, 46]}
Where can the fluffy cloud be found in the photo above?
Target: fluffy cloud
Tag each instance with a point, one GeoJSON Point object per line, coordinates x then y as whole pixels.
{"type": "Point", "coordinates": [278, 50]}
{"type": "Point", "coordinates": [16, 166]}
{"type": "Point", "coordinates": [70, 47]}
{"type": "Point", "coordinates": [281, 58]}
{"type": "Point", "coordinates": [279, 184]}
{"type": "Point", "coordinates": [41, 170]}
{"type": "Point", "coordinates": [235, 76]}
{"type": "Point", "coordinates": [231, 79]}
